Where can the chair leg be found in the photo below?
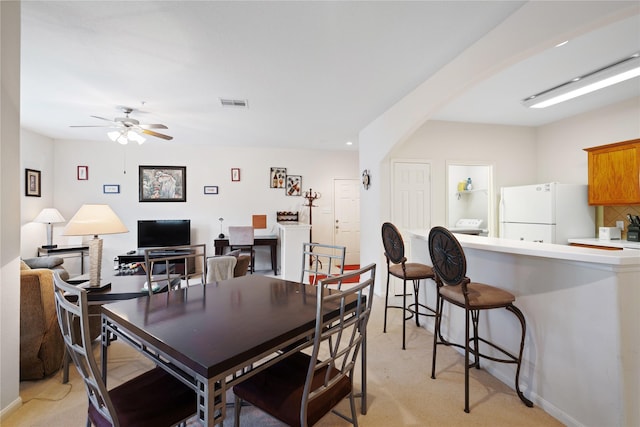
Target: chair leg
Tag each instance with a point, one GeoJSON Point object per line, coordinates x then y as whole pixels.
{"type": "Point", "coordinates": [475, 318]}
{"type": "Point", "coordinates": [404, 312]}
{"type": "Point", "coordinates": [416, 290]}
{"type": "Point", "coordinates": [466, 361]}
{"type": "Point", "coordinates": [436, 333]}
{"type": "Point", "coordinates": [65, 366]}
{"type": "Point", "coordinates": [386, 302]}
{"type": "Point", "coordinates": [516, 311]}
{"type": "Point", "coordinates": [354, 417]}
{"type": "Point", "coordinates": [236, 410]}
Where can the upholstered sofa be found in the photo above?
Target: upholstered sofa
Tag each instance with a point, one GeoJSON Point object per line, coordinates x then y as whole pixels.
{"type": "Point", "coordinates": [41, 344]}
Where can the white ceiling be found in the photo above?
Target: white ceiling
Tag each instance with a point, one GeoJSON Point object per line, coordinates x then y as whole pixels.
{"type": "Point", "coordinates": [314, 73]}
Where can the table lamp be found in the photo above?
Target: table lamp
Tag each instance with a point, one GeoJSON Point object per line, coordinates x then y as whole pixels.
{"type": "Point", "coordinates": [92, 220]}
{"type": "Point", "coordinates": [49, 216]}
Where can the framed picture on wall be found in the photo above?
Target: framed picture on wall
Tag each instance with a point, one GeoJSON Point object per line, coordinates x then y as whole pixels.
{"type": "Point", "coordinates": [210, 189]}
{"type": "Point", "coordinates": [162, 183]}
{"type": "Point", "coordinates": [277, 177]}
{"type": "Point", "coordinates": [235, 174]}
{"type": "Point", "coordinates": [32, 183]}
{"type": "Point", "coordinates": [111, 188]}
{"type": "Point", "coordinates": [294, 185]}
{"type": "Point", "coordinates": [83, 173]}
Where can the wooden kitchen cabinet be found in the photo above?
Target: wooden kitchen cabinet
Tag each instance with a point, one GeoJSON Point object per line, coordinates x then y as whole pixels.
{"type": "Point", "coordinates": [614, 173]}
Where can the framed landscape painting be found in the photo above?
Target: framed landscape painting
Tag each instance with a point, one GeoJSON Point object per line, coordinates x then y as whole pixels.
{"type": "Point", "coordinates": [162, 183]}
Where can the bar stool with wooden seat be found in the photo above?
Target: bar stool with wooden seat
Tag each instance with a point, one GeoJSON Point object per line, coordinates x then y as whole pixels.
{"type": "Point", "coordinates": [450, 267]}
{"type": "Point", "coordinates": [398, 266]}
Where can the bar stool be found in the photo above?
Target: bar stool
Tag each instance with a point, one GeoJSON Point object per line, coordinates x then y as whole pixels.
{"type": "Point", "coordinates": [450, 267]}
{"type": "Point", "coordinates": [398, 266]}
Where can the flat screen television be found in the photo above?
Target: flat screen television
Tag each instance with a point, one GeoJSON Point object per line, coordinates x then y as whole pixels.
{"type": "Point", "coordinates": [164, 232]}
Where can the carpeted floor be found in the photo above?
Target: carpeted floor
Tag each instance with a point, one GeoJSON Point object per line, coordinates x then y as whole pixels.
{"type": "Point", "coordinates": [401, 391]}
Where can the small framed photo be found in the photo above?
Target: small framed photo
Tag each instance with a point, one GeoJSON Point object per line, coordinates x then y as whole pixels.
{"type": "Point", "coordinates": [32, 183]}
{"type": "Point", "coordinates": [111, 188]}
{"type": "Point", "coordinates": [235, 174]}
{"type": "Point", "coordinates": [277, 177]}
{"type": "Point", "coordinates": [210, 189]}
{"type": "Point", "coordinates": [83, 173]}
{"type": "Point", "coordinates": [294, 185]}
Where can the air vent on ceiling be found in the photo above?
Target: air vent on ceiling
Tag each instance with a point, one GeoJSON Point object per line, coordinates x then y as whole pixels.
{"type": "Point", "coordinates": [234, 103]}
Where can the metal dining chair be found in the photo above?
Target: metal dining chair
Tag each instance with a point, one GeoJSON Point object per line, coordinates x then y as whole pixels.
{"type": "Point", "coordinates": [305, 386]}
{"type": "Point", "coordinates": [320, 261]}
{"type": "Point", "coordinates": [152, 399]}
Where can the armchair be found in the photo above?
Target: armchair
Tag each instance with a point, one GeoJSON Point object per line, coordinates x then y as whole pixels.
{"type": "Point", "coordinates": [41, 345]}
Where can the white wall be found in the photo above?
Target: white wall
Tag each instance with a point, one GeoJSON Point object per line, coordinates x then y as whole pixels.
{"type": "Point", "coordinates": [36, 153]}
{"type": "Point", "coordinates": [510, 149]}
{"type": "Point", "coordinates": [111, 163]}
{"type": "Point", "coordinates": [560, 155]}
{"type": "Point", "coordinates": [9, 206]}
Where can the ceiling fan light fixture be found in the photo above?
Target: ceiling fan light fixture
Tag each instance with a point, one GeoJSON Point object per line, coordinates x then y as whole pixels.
{"type": "Point", "coordinates": [624, 69]}
{"type": "Point", "coordinates": [114, 135]}
{"type": "Point", "coordinates": [136, 137]}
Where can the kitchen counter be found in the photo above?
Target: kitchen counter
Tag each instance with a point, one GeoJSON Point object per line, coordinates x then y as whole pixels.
{"type": "Point", "coordinates": [581, 359]}
{"type": "Point", "coordinates": [624, 244]}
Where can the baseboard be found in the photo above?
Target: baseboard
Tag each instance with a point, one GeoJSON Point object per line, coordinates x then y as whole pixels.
{"type": "Point", "coordinates": [10, 409]}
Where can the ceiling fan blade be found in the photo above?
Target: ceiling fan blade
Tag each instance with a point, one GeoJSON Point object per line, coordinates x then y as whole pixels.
{"type": "Point", "coordinates": [154, 126]}
{"type": "Point", "coordinates": [91, 126]}
{"type": "Point", "coordinates": [102, 118]}
{"type": "Point", "coordinates": [156, 134]}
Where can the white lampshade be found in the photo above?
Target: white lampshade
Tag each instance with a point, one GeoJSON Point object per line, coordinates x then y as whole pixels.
{"type": "Point", "coordinates": [92, 220]}
{"type": "Point", "coordinates": [49, 216]}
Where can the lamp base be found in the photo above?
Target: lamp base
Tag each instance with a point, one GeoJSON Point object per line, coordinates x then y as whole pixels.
{"type": "Point", "coordinates": [221, 236]}
{"type": "Point", "coordinates": [103, 285]}
{"type": "Point", "coordinates": [49, 246]}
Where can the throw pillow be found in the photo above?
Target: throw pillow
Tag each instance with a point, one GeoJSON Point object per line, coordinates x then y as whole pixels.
{"type": "Point", "coordinates": [24, 266]}
{"type": "Point", "coordinates": [235, 253]}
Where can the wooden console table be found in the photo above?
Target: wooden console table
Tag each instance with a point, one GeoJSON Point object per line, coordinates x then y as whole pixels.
{"type": "Point", "coordinates": [271, 241]}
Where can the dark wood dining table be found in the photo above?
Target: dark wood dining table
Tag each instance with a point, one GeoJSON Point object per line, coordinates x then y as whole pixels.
{"type": "Point", "coordinates": [211, 336]}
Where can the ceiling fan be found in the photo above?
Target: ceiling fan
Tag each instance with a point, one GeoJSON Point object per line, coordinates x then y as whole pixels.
{"type": "Point", "coordinates": [129, 129]}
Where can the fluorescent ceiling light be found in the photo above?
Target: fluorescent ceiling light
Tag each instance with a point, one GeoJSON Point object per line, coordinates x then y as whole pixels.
{"type": "Point", "coordinates": [611, 74]}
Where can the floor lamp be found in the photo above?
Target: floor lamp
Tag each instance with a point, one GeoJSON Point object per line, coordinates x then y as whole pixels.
{"type": "Point", "coordinates": [94, 220]}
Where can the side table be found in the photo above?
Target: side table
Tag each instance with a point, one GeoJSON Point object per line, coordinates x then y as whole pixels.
{"type": "Point", "coordinates": [59, 250]}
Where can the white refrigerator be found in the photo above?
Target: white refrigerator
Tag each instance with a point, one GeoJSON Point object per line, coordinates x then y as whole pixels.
{"type": "Point", "coordinates": [549, 213]}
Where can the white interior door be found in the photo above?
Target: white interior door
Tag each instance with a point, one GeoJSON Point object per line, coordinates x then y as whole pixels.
{"type": "Point", "coordinates": [347, 218]}
{"type": "Point", "coordinates": [411, 206]}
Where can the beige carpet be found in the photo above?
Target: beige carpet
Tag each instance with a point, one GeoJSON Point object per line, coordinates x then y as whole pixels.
{"type": "Point", "coordinates": [401, 391]}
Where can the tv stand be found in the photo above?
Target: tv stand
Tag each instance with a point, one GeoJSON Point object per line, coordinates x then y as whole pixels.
{"type": "Point", "coordinates": [138, 257]}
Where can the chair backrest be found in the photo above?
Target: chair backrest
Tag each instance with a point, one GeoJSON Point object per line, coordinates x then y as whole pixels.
{"type": "Point", "coordinates": [169, 266]}
{"type": "Point", "coordinates": [447, 257]}
{"type": "Point", "coordinates": [393, 244]}
{"type": "Point", "coordinates": [320, 261]}
{"type": "Point", "coordinates": [337, 342]}
{"type": "Point", "coordinates": [220, 267]}
{"type": "Point", "coordinates": [73, 319]}
{"type": "Point", "coordinates": [241, 235]}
